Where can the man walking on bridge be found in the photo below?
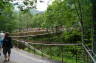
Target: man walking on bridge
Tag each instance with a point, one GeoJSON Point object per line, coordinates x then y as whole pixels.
{"type": "Point", "coordinates": [7, 45]}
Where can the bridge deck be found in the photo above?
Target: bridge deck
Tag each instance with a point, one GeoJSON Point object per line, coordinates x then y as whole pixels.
{"type": "Point", "coordinates": [20, 56]}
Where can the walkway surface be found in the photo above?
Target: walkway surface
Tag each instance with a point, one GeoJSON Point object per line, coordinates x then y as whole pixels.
{"type": "Point", "coordinates": [20, 56]}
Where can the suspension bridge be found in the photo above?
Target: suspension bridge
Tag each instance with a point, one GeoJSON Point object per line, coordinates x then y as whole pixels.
{"type": "Point", "coordinates": [42, 52]}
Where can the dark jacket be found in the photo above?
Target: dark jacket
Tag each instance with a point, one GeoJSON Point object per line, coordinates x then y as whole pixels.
{"type": "Point", "coordinates": [7, 42]}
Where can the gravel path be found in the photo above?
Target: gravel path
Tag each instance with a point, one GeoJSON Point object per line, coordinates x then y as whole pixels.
{"type": "Point", "coordinates": [20, 56]}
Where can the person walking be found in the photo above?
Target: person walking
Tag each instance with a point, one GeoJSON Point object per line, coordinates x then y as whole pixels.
{"type": "Point", "coordinates": [7, 45]}
{"type": "Point", "coordinates": [1, 40]}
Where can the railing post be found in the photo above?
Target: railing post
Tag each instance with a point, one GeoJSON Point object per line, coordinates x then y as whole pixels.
{"type": "Point", "coordinates": [76, 55]}
{"type": "Point", "coordinates": [62, 53]}
{"type": "Point", "coordinates": [50, 52]}
{"type": "Point", "coordinates": [34, 49]}
{"type": "Point", "coordinates": [17, 44]}
{"type": "Point", "coordinates": [42, 50]}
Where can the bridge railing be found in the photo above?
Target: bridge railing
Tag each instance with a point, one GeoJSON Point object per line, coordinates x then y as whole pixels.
{"type": "Point", "coordinates": [69, 53]}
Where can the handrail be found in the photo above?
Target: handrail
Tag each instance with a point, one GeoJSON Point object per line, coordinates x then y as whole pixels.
{"type": "Point", "coordinates": [55, 44]}
{"type": "Point", "coordinates": [89, 53]}
{"type": "Point", "coordinates": [28, 31]}
{"type": "Point", "coordinates": [33, 35]}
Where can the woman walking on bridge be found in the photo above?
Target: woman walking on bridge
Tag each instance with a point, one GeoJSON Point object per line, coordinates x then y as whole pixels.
{"type": "Point", "coordinates": [7, 45]}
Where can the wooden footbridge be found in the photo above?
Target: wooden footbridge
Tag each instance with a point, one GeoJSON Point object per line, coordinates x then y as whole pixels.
{"type": "Point", "coordinates": [45, 53]}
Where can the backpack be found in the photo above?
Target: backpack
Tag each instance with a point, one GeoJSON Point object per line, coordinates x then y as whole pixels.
{"type": "Point", "coordinates": [7, 43]}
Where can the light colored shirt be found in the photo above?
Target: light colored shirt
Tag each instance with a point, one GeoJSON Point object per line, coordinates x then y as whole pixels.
{"type": "Point", "coordinates": [2, 35]}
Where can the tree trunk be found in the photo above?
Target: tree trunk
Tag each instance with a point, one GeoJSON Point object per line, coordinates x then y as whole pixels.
{"type": "Point", "coordinates": [94, 24]}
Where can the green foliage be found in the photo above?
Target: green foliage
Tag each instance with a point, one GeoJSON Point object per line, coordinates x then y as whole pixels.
{"type": "Point", "coordinates": [37, 20]}
{"type": "Point", "coordinates": [7, 22]}
{"type": "Point", "coordinates": [24, 19]}
{"type": "Point", "coordinates": [72, 36]}
{"type": "Point", "coordinates": [60, 13]}
{"type": "Point", "coordinates": [28, 4]}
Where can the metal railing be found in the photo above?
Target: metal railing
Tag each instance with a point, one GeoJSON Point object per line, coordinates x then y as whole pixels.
{"type": "Point", "coordinates": [64, 53]}
{"type": "Point", "coordinates": [90, 53]}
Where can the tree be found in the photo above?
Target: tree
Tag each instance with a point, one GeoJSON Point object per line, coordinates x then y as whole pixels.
{"type": "Point", "coordinates": [94, 25]}
{"type": "Point", "coordinates": [61, 13]}
{"type": "Point", "coordinates": [27, 5]}
{"type": "Point", "coordinates": [38, 20]}
{"type": "Point", "coordinates": [6, 16]}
